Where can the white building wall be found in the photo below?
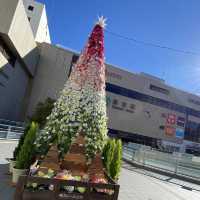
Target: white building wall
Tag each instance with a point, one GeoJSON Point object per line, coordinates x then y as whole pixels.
{"type": "Point", "coordinates": [22, 38]}
{"type": "Point", "coordinates": [17, 31]}
{"type": "Point", "coordinates": [17, 35]}
{"type": "Point", "coordinates": [38, 20]}
{"type": "Point", "coordinates": [42, 34]}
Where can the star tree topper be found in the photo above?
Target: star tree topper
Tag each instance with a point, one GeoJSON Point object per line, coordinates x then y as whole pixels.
{"type": "Point", "coordinates": [102, 21]}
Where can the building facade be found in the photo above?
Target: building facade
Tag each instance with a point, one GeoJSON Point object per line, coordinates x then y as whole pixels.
{"type": "Point", "coordinates": [141, 108]}
{"type": "Point", "coordinates": [36, 13]}
{"type": "Point", "coordinates": [18, 58]}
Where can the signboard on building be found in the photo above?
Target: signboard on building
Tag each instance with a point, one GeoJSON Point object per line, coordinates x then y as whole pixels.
{"type": "Point", "coordinates": [170, 131]}
{"type": "Point", "coordinates": [179, 133]}
{"type": "Point", "coordinates": [174, 126]}
{"type": "Point", "coordinates": [171, 119]}
{"type": "Point", "coordinates": [118, 104]}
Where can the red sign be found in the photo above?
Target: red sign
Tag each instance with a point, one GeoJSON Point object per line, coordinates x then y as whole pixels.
{"type": "Point", "coordinates": [171, 119]}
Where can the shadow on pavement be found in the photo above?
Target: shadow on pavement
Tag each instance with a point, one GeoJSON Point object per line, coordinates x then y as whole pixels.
{"type": "Point", "coordinates": [6, 190]}
{"type": "Point", "coordinates": [164, 178]}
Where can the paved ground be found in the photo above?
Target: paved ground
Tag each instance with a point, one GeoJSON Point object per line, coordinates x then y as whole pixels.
{"type": "Point", "coordinates": [136, 184]}
{"type": "Point", "coordinates": [6, 149]}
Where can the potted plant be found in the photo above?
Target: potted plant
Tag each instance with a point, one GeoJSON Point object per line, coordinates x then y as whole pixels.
{"type": "Point", "coordinates": [108, 152]}
{"type": "Point", "coordinates": [12, 161]}
{"type": "Point", "coordinates": [26, 154]}
{"type": "Point", "coordinates": [112, 157]}
{"type": "Point", "coordinates": [115, 165]}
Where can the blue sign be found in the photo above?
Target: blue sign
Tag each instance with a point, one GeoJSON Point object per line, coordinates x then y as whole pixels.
{"type": "Point", "coordinates": [179, 133]}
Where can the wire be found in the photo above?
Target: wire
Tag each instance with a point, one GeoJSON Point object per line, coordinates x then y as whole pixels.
{"type": "Point", "coordinates": [152, 44]}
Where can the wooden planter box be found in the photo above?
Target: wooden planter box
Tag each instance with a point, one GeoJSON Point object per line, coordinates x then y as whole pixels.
{"type": "Point", "coordinates": [91, 193]}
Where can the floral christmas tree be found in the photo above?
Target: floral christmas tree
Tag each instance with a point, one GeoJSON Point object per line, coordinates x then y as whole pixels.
{"type": "Point", "coordinates": [81, 107]}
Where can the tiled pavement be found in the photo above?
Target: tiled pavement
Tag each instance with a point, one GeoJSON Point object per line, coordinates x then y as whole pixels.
{"type": "Point", "coordinates": [135, 184]}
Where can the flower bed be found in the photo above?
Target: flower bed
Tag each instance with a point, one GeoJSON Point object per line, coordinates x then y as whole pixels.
{"type": "Point", "coordinates": [54, 189]}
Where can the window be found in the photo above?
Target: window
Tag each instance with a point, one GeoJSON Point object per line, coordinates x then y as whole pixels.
{"type": "Point", "coordinates": [115, 102]}
{"type": "Point", "coordinates": [74, 58]}
{"type": "Point", "coordinates": [5, 50]}
{"type": "Point", "coordinates": [159, 89]}
{"type": "Point", "coordinates": [192, 131]}
{"type": "Point", "coordinates": [73, 61]}
{"type": "Point", "coordinates": [132, 106]}
{"type": "Point", "coordinates": [196, 102]}
{"type": "Point", "coordinates": [29, 19]}
{"type": "Point", "coordinates": [31, 8]}
{"type": "Point", "coordinates": [123, 104]}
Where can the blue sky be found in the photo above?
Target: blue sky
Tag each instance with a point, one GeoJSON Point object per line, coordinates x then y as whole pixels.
{"type": "Point", "coordinates": [173, 23]}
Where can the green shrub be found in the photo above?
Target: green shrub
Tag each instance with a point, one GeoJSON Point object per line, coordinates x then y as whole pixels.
{"type": "Point", "coordinates": [105, 152]}
{"type": "Point", "coordinates": [108, 152]}
{"type": "Point", "coordinates": [21, 141]}
{"type": "Point", "coordinates": [42, 111]}
{"type": "Point", "coordinates": [27, 152]}
{"type": "Point", "coordinates": [115, 165]}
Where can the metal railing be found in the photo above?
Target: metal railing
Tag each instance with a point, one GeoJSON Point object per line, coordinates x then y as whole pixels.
{"type": "Point", "coordinates": [176, 163]}
{"type": "Point", "coordinates": [10, 130]}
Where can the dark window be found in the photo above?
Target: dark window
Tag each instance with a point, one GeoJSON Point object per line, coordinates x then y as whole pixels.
{"type": "Point", "coordinates": [133, 137]}
{"type": "Point", "coordinates": [196, 102]}
{"type": "Point", "coordinates": [132, 106]}
{"type": "Point", "coordinates": [73, 61]}
{"type": "Point", "coordinates": [192, 131]}
{"type": "Point", "coordinates": [4, 49]}
{"type": "Point", "coordinates": [31, 8]}
{"type": "Point", "coordinates": [74, 58]}
{"type": "Point", "coordinates": [181, 124]}
{"type": "Point", "coordinates": [159, 89]}
{"type": "Point", "coordinates": [123, 104]}
{"type": "Point", "coordinates": [115, 102]}
{"type": "Point", "coordinates": [161, 127]}
{"type": "Point", "coordinates": [29, 19]}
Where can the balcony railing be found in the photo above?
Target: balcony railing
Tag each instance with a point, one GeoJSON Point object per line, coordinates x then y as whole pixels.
{"type": "Point", "coordinates": [181, 164]}
{"type": "Point", "coordinates": [11, 130]}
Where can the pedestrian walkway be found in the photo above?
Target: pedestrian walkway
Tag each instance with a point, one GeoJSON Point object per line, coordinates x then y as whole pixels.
{"type": "Point", "coordinates": [136, 185]}
{"type": "Point", "coordinates": [6, 149]}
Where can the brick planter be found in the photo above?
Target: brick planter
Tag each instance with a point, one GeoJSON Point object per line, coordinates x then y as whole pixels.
{"type": "Point", "coordinates": [58, 194]}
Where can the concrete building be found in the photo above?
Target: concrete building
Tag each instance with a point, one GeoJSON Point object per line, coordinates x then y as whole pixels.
{"type": "Point", "coordinates": [36, 13]}
{"type": "Point", "coordinates": [141, 108]}
{"type": "Point", "coordinates": [18, 58]}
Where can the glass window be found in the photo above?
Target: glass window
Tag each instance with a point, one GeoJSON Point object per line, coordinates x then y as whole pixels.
{"type": "Point", "coordinates": [123, 104]}
{"type": "Point", "coordinates": [31, 8]}
{"type": "Point", "coordinates": [132, 106]}
{"type": "Point", "coordinates": [115, 102]}
{"type": "Point", "coordinates": [159, 89]}
{"type": "Point", "coordinates": [192, 131]}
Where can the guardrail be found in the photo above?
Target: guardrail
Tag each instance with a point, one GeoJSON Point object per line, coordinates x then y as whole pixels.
{"type": "Point", "coordinates": [178, 164]}
{"type": "Point", "coordinates": [10, 132]}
